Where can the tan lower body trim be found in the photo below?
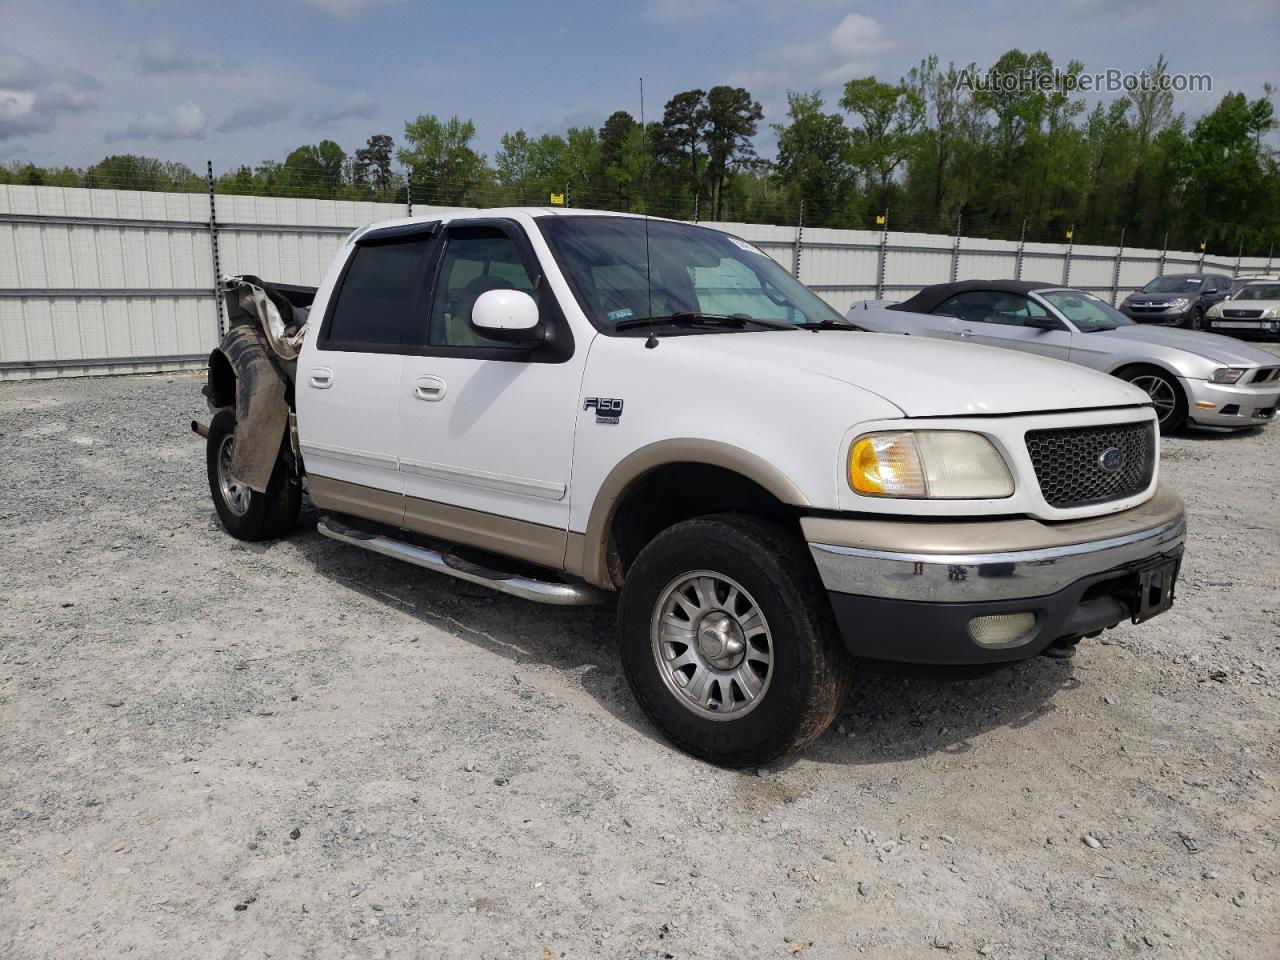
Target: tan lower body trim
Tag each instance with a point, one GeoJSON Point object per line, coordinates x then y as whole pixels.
{"type": "Point", "coordinates": [368, 502]}
{"type": "Point", "coordinates": [531, 542]}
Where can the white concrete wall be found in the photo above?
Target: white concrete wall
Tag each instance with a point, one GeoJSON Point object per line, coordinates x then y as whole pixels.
{"type": "Point", "coordinates": [110, 281]}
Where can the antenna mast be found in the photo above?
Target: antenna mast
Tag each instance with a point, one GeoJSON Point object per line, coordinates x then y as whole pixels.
{"type": "Point", "coordinates": [652, 341]}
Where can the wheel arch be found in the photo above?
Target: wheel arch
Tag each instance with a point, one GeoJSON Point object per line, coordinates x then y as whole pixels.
{"type": "Point", "coordinates": [677, 476]}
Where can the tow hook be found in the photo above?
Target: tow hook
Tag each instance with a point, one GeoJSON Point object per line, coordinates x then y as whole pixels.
{"type": "Point", "coordinates": [200, 428]}
{"type": "Point", "coordinates": [1063, 649]}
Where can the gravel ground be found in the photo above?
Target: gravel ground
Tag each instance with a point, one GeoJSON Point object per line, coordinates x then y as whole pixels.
{"type": "Point", "coordinates": [210, 749]}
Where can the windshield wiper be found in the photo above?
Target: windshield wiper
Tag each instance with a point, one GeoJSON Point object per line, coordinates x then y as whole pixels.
{"type": "Point", "coordinates": [689, 318]}
{"type": "Point", "coordinates": [830, 325]}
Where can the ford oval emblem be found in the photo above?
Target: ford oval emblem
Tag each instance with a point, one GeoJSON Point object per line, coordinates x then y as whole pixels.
{"type": "Point", "coordinates": [1111, 459]}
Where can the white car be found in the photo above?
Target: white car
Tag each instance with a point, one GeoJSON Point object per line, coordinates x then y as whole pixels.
{"type": "Point", "coordinates": [564, 405]}
{"type": "Point", "coordinates": [1254, 309]}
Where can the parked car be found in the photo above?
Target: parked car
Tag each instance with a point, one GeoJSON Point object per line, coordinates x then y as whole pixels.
{"type": "Point", "coordinates": [1242, 281]}
{"type": "Point", "coordinates": [1177, 300]}
{"type": "Point", "coordinates": [562, 405]}
{"type": "Point", "coordinates": [1253, 310]}
{"type": "Point", "coordinates": [1208, 379]}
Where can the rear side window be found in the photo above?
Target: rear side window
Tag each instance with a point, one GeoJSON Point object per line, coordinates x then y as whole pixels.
{"type": "Point", "coordinates": [378, 302]}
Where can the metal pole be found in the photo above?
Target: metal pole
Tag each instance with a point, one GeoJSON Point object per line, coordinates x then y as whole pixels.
{"type": "Point", "coordinates": [1066, 267]}
{"type": "Point", "coordinates": [1022, 242]}
{"type": "Point", "coordinates": [1115, 274]}
{"type": "Point", "coordinates": [955, 253]}
{"type": "Point", "coordinates": [1164, 252]}
{"type": "Point", "coordinates": [213, 252]}
{"type": "Point", "coordinates": [1239, 255]}
{"type": "Point", "coordinates": [799, 244]}
{"type": "Point", "coordinates": [1203, 243]}
{"type": "Point", "coordinates": [884, 247]}
{"type": "Point", "coordinates": [408, 193]}
{"type": "Point", "coordinates": [1270, 252]}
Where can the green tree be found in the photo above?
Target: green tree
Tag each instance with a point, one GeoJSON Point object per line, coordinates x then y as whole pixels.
{"type": "Point", "coordinates": [314, 170]}
{"type": "Point", "coordinates": [813, 156]}
{"type": "Point", "coordinates": [731, 120]}
{"type": "Point", "coordinates": [440, 159]}
{"type": "Point", "coordinates": [372, 165]}
{"type": "Point", "coordinates": [684, 127]}
{"type": "Point", "coordinates": [889, 116]}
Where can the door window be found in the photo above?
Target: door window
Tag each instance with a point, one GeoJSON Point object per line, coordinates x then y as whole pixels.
{"type": "Point", "coordinates": [476, 260]}
{"type": "Point", "coordinates": [378, 301]}
{"type": "Point", "coordinates": [991, 306]}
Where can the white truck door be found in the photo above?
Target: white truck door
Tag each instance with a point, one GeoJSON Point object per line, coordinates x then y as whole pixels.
{"type": "Point", "coordinates": [486, 429]}
{"type": "Point", "coordinates": [349, 368]}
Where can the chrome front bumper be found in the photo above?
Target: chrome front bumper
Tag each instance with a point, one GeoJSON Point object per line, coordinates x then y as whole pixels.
{"type": "Point", "coordinates": [911, 591]}
{"type": "Point", "coordinates": [969, 577]}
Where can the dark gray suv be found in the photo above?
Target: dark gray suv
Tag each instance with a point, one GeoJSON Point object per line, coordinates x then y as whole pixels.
{"type": "Point", "coordinates": [1177, 300]}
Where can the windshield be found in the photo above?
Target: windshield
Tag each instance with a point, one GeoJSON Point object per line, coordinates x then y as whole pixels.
{"type": "Point", "coordinates": [1259, 291]}
{"type": "Point", "coordinates": [1174, 285]}
{"type": "Point", "coordinates": [691, 270]}
{"type": "Point", "coordinates": [1086, 311]}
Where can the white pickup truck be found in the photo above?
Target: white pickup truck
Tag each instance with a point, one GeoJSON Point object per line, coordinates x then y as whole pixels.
{"type": "Point", "coordinates": [564, 404]}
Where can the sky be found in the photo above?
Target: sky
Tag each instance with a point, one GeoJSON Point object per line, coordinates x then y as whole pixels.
{"type": "Point", "coordinates": [242, 82]}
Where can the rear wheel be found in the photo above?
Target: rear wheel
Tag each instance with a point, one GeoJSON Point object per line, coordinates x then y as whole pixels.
{"type": "Point", "coordinates": [728, 641]}
{"type": "Point", "coordinates": [1165, 393]}
{"type": "Point", "coordinates": [247, 514]}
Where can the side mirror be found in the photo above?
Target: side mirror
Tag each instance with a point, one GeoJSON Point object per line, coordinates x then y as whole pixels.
{"type": "Point", "coordinates": [1043, 323]}
{"type": "Point", "coordinates": [507, 315]}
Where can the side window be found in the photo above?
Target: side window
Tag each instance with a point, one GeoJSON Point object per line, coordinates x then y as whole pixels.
{"type": "Point", "coordinates": [378, 302]}
{"type": "Point", "coordinates": [476, 259]}
{"type": "Point", "coordinates": [991, 306]}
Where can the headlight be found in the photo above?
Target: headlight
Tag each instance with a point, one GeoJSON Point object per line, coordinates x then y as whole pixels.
{"type": "Point", "coordinates": [1273, 313]}
{"type": "Point", "coordinates": [1226, 375]}
{"type": "Point", "coordinates": [928, 464]}
{"type": "Point", "coordinates": [1180, 303]}
{"type": "Point", "coordinates": [1214, 311]}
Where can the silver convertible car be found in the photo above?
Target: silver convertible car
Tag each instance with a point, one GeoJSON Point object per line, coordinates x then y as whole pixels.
{"type": "Point", "coordinates": [1202, 377]}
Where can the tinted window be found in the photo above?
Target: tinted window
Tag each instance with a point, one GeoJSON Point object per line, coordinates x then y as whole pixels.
{"type": "Point", "coordinates": [476, 259]}
{"type": "Point", "coordinates": [378, 300]}
{"type": "Point", "coordinates": [990, 306]}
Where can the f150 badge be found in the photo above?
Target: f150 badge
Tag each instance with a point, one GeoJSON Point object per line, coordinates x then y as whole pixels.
{"type": "Point", "coordinates": [607, 410]}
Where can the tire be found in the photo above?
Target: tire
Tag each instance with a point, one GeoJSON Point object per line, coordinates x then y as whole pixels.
{"type": "Point", "coordinates": [1165, 392]}
{"type": "Point", "coordinates": [792, 650]}
{"type": "Point", "coordinates": [247, 514]}
{"type": "Point", "coordinates": [1195, 319]}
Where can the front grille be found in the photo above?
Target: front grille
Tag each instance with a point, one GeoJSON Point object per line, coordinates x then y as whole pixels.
{"type": "Point", "coordinates": [1068, 463]}
{"type": "Point", "coordinates": [1242, 314]}
{"type": "Point", "coordinates": [1265, 374]}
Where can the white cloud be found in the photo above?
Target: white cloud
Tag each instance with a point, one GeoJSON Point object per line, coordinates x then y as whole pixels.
{"type": "Point", "coordinates": [186, 121]}
{"type": "Point", "coordinates": [356, 105]}
{"type": "Point", "coordinates": [33, 96]}
{"type": "Point", "coordinates": [163, 55]}
{"type": "Point", "coordinates": [343, 9]}
{"type": "Point", "coordinates": [853, 48]}
{"type": "Point", "coordinates": [256, 114]}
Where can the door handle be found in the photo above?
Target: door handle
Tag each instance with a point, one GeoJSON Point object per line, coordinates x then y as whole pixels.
{"type": "Point", "coordinates": [429, 388]}
{"type": "Point", "coordinates": [964, 333]}
{"type": "Point", "coordinates": [321, 378]}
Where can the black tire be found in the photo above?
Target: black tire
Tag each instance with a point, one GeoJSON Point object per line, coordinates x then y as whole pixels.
{"type": "Point", "coordinates": [1195, 319]}
{"type": "Point", "coordinates": [250, 515]}
{"type": "Point", "coordinates": [809, 672]}
{"type": "Point", "coordinates": [1157, 383]}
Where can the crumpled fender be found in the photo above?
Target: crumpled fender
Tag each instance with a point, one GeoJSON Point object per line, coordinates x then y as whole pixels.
{"type": "Point", "coordinates": [262, 407]}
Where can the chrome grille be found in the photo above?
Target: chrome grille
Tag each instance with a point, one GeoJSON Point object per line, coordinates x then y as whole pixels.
{"type": "Point", "coordinates": [1068, 463]}
{"type": "Point", "coordinates": [1241, 314]}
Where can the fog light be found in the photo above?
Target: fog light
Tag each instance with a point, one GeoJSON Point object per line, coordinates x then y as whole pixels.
{"type": "Point", "coordinates": [1001, 629]}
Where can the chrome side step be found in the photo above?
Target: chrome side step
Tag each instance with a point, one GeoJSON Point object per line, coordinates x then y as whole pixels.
{"type": "Point", "coordinates": [576, 594]}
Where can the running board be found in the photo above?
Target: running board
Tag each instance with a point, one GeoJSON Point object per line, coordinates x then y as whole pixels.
{"type": "Point", "coordinates": [556, 592]}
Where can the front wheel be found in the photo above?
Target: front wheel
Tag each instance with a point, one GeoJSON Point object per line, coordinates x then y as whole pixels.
{"type": "Point", "coordinates": [728, 641]}
{"type": "Point", "coordinates": [1195, 319]}
{"type": "Point", "coordinates": [1166, 395]}
{"type": "Point", "coordinates": [247, 514]}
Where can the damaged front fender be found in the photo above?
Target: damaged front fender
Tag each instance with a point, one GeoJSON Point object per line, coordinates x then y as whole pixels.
{"type": "Point", "coordinates": [261, 402]}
